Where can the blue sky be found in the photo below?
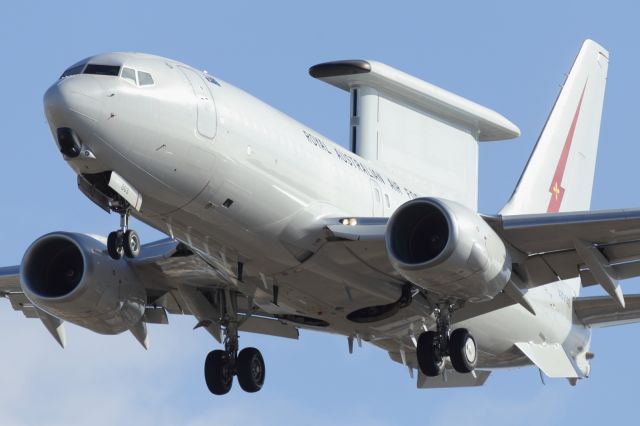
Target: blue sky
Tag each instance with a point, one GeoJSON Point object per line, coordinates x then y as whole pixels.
{"type": "Point", "coordinates": [508, 56]}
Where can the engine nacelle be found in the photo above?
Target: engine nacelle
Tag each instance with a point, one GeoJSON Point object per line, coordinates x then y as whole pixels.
{"type": "Point", "coordinates": [447, 249]}
{"type": "Point", "coordinates": [72, 277]}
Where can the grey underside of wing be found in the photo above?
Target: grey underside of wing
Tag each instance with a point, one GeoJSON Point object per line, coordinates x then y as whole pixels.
{"type": "Point", "coordinates": [9, 279]}
{"type": "Point", "coordinates": [548, 241]}
{"type": "Point", "coordinates": [177, 281]}
{"type": "Point", "coordinates": [366, 244]}
{"type": "Point", "coordinates": [10, 289]}
{"type": "Point", "coordinates": [602, 311]}
{"type": "Point", "coordinates": [183, 282]}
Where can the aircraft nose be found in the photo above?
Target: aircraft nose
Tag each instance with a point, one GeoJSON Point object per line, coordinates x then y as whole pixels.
{"type": "Point", "coordinates": [73, 96]}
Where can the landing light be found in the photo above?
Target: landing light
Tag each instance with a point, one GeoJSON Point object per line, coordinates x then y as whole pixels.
{"type": "Point", "coordinates": [349, 221]}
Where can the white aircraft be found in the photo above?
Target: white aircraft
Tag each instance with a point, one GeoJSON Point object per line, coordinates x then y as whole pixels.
{"type": "Point", "coordinates": [274, 228]}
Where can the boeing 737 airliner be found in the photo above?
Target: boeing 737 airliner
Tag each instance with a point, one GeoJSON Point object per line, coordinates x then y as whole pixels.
{"type": "Point", "coordinates": [272, 228]}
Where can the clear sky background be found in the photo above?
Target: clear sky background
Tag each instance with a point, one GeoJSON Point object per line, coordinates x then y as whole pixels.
{"type": "Point", "coordinates": [506, 55]}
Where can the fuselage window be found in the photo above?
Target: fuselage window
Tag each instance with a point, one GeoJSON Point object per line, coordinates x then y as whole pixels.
{"type": "Point", "coordinates": [76, 69]}
{"type": "Point", "coordinates": [129, 74]}
{"type": "Point", "coordinates": [113, 70]}
{"type": "Point", "coordinates": [145, 78]}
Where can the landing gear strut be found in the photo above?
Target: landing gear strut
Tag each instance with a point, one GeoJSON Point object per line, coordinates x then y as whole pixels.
{"type": "Point", "coordinates": [221, 365]}
{"type": "Point", "coordinates": [434, 346]}
{"type": "Point", "coordinates": [125, 241]}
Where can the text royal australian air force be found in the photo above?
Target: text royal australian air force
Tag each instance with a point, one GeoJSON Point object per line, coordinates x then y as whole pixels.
{"type": "Point", "coordinates": [351, 161]}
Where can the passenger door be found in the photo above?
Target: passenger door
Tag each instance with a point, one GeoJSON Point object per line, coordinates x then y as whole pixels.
{"type": "Point", "coordinates": [206, 116]}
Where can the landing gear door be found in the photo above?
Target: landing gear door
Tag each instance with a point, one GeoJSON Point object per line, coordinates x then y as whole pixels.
{"type": "Point", "coordinates": [206, 120]}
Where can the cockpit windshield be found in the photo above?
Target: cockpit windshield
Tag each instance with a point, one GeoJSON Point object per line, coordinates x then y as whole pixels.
{"type": "Point", "coordinates": [137, 77]}
{"type": "Point", "coordinates": [74, 69]}
{"type": "Point", "coordinates": [98, 69]}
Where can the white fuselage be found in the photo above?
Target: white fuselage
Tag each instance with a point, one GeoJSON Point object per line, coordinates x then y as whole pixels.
{"type": "Point", "coordinates": [239, 181]}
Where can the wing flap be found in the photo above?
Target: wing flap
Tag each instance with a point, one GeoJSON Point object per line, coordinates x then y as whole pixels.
{"type": "Point", "coordinates": [622, 271]}
{"type": "Point", "coordinates": [597, 246]}
{"type": "Point", "coordinates": [601, 311]}
{"type": "Point", "coordinates": [552, 232]}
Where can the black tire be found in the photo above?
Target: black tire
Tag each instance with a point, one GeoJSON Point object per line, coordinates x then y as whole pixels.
{"type": "Point", "coordinates": [114, 245]}
{"type": "Point", "coordinates": [217, 373]}
{"type": "Point", "coordinates": [250, 369]}
{"type": "Point", "coordinates": [131, 243]}
{"type": "Point", "coordinates": [463, 351]}
{"type": "Point", "coordinates": [429, 360]}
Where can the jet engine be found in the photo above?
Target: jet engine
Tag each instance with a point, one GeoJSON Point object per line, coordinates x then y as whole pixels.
{"type": "Point", "coordinates": [72, 277]}
{"type": "Point", "coordinates": [447, 249]}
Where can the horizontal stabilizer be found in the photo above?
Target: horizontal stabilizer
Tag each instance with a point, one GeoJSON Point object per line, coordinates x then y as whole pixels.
{"type": "Point", "coordinates": [550, 358]}
{"type": "Point", "coordinates": [601, 311]}
{"type": "Point", "coordinates": [453, 379]}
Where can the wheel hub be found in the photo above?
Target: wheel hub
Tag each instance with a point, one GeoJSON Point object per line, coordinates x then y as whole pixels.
{"type": "Point", "coordinates": [256, 369]}
{"type": "Point", "coordinates": [470, 350]}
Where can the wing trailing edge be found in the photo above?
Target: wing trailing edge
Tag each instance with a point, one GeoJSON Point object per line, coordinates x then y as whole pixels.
{"type": "Point", "coordinates": [601, 311]}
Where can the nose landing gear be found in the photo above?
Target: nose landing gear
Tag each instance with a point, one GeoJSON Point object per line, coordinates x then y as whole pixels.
{"type": "Point", "coordinates": [434, 346]}
{"type": "Point", "coordinates": [125, 241]}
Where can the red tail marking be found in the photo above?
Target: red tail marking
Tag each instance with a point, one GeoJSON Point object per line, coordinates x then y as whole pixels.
{"type": "Point", "coordinates": [556, 190]}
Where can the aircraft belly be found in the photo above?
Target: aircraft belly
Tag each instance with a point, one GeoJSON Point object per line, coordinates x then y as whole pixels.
{"type": "Point", "coordinates": [496, 332]}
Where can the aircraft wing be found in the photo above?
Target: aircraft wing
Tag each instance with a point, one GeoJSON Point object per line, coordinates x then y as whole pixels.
{"type": "Point", "coordinates": [601, 311]}
{"type": "Point", "coordinates": [600, 247]}
{"type": "Point", "coordinates": [177, 281]}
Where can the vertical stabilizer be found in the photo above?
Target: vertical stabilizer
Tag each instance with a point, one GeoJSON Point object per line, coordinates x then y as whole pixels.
{"type": "Point", "coordinates": [559, 174]}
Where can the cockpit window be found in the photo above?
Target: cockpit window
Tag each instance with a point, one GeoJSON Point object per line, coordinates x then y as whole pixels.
{"type": "Point", "coordinates": [102, 69]}
{"type": "Point", "coordinates": [75, 69]}
{"type": "Point", "coordinates": [210, 79]}
{"type": "Point", "coordinates": [129, 74]}
{"type": "Point", "coordinates": [145, 78]}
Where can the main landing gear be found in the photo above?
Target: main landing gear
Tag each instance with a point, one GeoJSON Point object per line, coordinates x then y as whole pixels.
{"type": "Point", "coordinates": [434, 346]}
{"type": "Point", "coordinates": [221, 365]}
{"type": "Point", "coordinates": [125, 241]}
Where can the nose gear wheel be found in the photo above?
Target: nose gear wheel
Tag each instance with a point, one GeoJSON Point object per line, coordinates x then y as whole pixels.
{"type": "Point", "coordinates": [123, 242]}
